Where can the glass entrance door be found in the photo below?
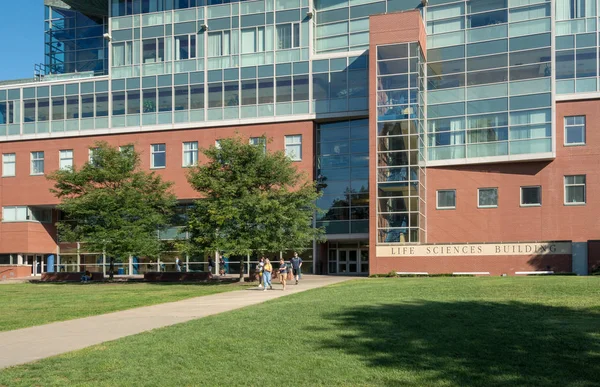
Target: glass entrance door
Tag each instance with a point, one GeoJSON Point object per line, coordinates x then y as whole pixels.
{"type": "Point", "coordinates": [348, 261]}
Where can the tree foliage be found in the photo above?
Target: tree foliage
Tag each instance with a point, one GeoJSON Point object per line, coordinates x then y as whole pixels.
{"type": "Point", "coordinates": [111, 205]}
{"type": "Point", "coordinates": [251, 201]}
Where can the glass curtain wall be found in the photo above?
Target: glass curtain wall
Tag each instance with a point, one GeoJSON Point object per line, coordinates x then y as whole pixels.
{"type": "Point", "coordinates": [489, 78]}
{"type": "Point", "coordinates": [400, 144]}
{"type": "Point", "coordinates": [74, 42]}
{"type": "Point", "coordinates": [343, 176]}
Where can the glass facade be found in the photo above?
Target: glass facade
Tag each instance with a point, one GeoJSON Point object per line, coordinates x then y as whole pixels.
{"type": "Point", "coordinates": [400, 143]}
{"type": "Point", "coordinates": [74, 42]}
{"type": "Point", "coordinates": [343, 176]}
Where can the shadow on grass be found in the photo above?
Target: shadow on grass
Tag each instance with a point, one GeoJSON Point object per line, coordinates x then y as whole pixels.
{"type": "Point", "coordinates": [474, 343]}
{"type": "Point", "coordinates": [126, 283]}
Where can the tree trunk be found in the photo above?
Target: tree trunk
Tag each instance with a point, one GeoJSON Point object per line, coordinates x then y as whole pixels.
{"type": "Point", "coordinates": [242, 270]}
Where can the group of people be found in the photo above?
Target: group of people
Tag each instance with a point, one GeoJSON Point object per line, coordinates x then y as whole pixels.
{"type": "Point", "coordinates": [286, 271]}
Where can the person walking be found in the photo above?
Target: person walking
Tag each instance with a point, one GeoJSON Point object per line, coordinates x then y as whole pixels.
{"type": "Point", "coordinates": [221, 266]}
{"type": "Point", "coordinates": [267, 270]}
{"type": "Point", "coordinates": [178, 264]}
{"type": "Point", "coordinates": [283, 272]}
{"type": "Point", "coordinates": [211, 264]}
{"type": "Point", "coordinates": [259, 270]}
{"type": "Point", "coordinates": [296, 266]}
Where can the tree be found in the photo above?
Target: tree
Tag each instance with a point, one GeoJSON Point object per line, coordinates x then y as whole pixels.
{"type": "Point", "coordinates": [111, 205]}
{"type": "Point", "coordinates": [251, 201]}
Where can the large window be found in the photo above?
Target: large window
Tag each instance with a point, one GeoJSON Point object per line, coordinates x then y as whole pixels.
{"type": "Point", "coordinates": [575, 189]}
{"type": "Point", "coordinates": [531, 196]}
{"type": "Point", "coordinates": [25, 214]}
{"type": "Point", "coordinates": [9, 163]}
{"type": "Point", "coordinates": [253, 40]}
{"type": "Point", "coordinates": [66, 159]}
{"type": "Point", "coordinates": [158, 156]}
{"type": "Point", "coordinates": [219, 43]}
{"type": "Point", "coordinates": [487, 197]}
{"type": "Point", "coordinates": [293, 147]}
{"type": "Point", "coordinates": [446, 199]}
{"type": "Point", "coordinates": [190, 153]}
{"type": "Point", "coordinates": [574, 9]}
{"type": "Point", "coordinates": [122, 54]}
{"type": "Point", "coordinates": [37, 163]}
{"type": "Point", "coordinates": [153, 50]}
{"type": "Point", "coordinates": [260, 142]}
{"type": "Point", "coordinates": [185, 47]}
{"type": "Point", "coordinates": [575, 130]}
{"type": "Point", "coordinates": [288, 36]}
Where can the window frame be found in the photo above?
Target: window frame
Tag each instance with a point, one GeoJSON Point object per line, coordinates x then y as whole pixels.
{"type": "Point", "coordinates": [186, 151]}
{"type": "Point", "coordinates": [260, 141]}
{"type": "Point", "coordinates": [295, 35]}
{"type": "Point", "coordinates": [153, 153]}
{"type": "Point", "coordinates": [437, 199]}
{"type": "Point", "coordinates": [34, 160]}
{"type": "Point", "coordinates": [225, 43]}
{"type": "Point", "coordinates": [191, 48]}
{"type": "Point", "coordinates": [566, 126]}
{"type": "Point", "coordinates": [13, 162]}
{"type": "Point", "coordinates": [61, 158]}
{"type": "Point", "coordinates": [157, 50]}
{"type": "Point", "coordinates": [285, 145]}
{"type": "Point", "coordinates": [584, 184]}
{"type": "Point", "coordinates": [259, 44]}
{"type": "Point", "coordinates": [521, 196]}
{"type": "Point", "coordinates": [479, 205]}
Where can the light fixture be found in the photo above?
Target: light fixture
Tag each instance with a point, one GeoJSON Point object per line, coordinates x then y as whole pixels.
{"type": "Point", "coordinates": [107, 36]}
{"type": "Point", "coordinates": [309, 15]}
{"type": "Point", "coordinates": [204, 27]}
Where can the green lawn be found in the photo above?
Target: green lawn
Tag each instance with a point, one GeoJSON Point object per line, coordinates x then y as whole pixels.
{"type": "Point", "coordinates": [371, 332]}
{"type": "Point", "coordinates": [27, 304]}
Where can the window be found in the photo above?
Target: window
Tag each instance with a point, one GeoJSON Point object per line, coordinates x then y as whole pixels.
{"type": "Point", "coordinates": [91, 155]}
{"type": "Point", "coordinates": [260, 142]}
{"type": "Point", "coordinates": [446, 199]}
{"type": "Point", "coordinates": [575, 130]}
{"type": "Point", "coordinates": [159, 156]}
{"type": "Point", "coordinates": [253, 40]}
{"type": "Point", "coordinates": [190, 153]}
{"type": "Point", "coordinates": [218, 144]}
{"type": "Point", "coordinates": [185, 47]}
{"type": "Point", "coordinates": [124, 148]}
{"type": "Point", "coordinates": [219, 43]}
{"type": "Point", "coordinates": [575, 189]}
{"type": "Point", "coordinates": [572, 9]}
{"type": "Point", "coordinates": [487, 197]}
{"type": "Point", "coordinates": [153, 50]}
{"type": "Point", "coordinates": [24, 214]}
{"type": "Point", "coordinates": [288, 36]}
{"type": "Point", "coordinates": [531, 196]}
{"type": "Point", "coordinates": [293, 147]}
{"type": "Point", "coordinates": [122, 54]}
{"type": "Point", "coordinates": [66, 159]}
{"type": "Point", "coordinates": [37, 163]}
{"type": "Point", "coordinates": [7, 112]}
{"type": "Point", "coordinates": [9, 164]}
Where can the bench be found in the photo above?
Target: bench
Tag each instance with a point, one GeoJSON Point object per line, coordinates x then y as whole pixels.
{"type": "Point", "coordinates": [533, 272]}
{"type": "Point", "coordinates": [70, 277]}
{"type": "Point", "coordinates": [176, 276]}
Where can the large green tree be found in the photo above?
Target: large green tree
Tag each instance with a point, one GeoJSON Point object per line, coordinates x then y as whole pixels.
{"type": "Point", "coordinates": [251, 201]}
{"type": "Point", "coordinates": [111, 205]}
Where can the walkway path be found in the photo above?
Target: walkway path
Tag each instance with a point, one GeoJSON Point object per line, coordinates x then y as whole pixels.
{"type": "Point", "coordinates": [30, 344]}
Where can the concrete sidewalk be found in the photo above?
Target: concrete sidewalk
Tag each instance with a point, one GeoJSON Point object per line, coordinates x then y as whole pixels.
{"type": "Point", "coordinates": [30, 344]}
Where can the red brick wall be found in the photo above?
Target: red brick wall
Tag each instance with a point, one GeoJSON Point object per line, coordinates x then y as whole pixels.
{"type": "Point", "coordinates": [510, 222]}
{"type": "Point", "coordinates": [34, 190]}
{"type": "Point", "coordinates": [495, 265]}
{"type": "Point", "coordinates": [24, 189]}
{"type": "Point", "coordinates": [8, 272]}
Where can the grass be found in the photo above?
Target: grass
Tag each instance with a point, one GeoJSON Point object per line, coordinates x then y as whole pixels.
{"type": "Point", "coordinates": [27, 304]}
{"type": "Point", "coordinates": [371, 332]}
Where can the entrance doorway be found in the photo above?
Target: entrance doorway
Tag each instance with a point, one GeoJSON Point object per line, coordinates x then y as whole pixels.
{"type": "Point", "coordinates": [37, 262]}
{"type": "Point", "coordinates": [348, 261]}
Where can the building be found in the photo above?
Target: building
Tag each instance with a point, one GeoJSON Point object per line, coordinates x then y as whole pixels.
{"type": "Point", "coordinates": [448, 136]}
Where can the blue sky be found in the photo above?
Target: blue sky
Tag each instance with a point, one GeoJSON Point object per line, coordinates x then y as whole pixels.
{"type": "Point", "coordinates": [22, 31]}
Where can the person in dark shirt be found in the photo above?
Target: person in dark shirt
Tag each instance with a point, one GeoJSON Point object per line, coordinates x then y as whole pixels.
{"type": "Point", "coordinates": [296, 266]}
